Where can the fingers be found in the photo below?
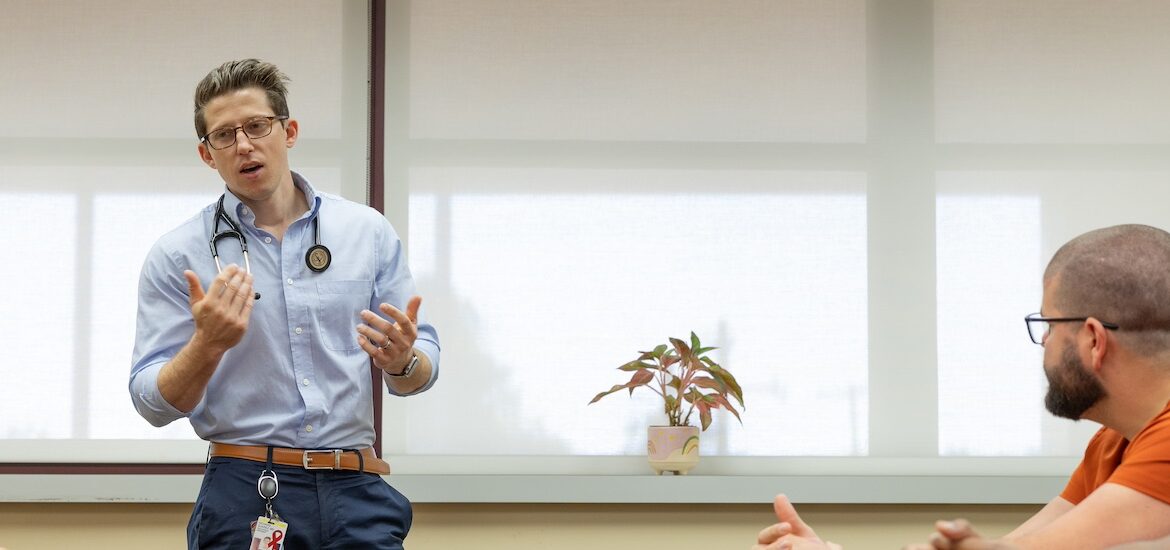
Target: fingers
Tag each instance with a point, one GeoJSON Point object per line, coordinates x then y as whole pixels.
{"type": "Point", "coordinates": [381, 333]}
{"type": "Point", "coordinates": [225, 285]}
{"type": "Point", "coordinates": [367, 345]}
{"type": "Point", "coordinates": [955, 534]}
{"type": "Point", "coordinates": [773, 533]}
{"type": "Point", "coordinates": [222, 313]}
{"type": "Point", "coordinates": [786, 512]}
{"type": "Point", "coordinates": [956, 529]}
{"type": "Point", "coordinates": [399, 334]}
{"type": "Point", "coordinates": [246, 298]}
{"type": "Point", "coordinates": [229, 287]}
{"type": "Point", "coordinates": [406, 324]}
{"type": "Point", "coordinates": [793, 542]}
{"type": "Point", "coordinates": [412, 309]}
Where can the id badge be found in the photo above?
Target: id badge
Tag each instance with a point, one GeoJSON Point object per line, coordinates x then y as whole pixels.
{"type": "Point", "coordinates": [268, 534]}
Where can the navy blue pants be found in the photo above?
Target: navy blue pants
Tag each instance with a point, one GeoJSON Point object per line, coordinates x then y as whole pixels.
{"type": "Point", "coordinates": [325, 509]}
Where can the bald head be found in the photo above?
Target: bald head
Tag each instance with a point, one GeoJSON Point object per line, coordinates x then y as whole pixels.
{"type": "Point", "coordinates": [1119, 274]}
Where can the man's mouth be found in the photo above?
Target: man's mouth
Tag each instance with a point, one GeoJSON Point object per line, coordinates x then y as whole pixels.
{"type": "Point", "coordinates": [251, 167]}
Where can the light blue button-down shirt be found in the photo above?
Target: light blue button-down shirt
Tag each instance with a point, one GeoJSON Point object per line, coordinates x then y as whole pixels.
{"type": "Point", "coordinates": [298, 378]}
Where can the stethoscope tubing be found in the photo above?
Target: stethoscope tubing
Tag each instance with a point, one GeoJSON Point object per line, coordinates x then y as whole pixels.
{"type": "Point", "coordinates": [317, 262]}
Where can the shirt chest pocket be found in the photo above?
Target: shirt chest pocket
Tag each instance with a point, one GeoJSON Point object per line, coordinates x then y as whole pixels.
{"type": "Point", "coordinates": [339, 307]}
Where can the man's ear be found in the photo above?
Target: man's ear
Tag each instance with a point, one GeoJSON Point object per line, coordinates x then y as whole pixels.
{"type": "Point", "coordinates": [291, 130]}
{"type": "Point", "coordinates": [1098, 342]}
{"type": "Point", "coordinates": [205, 155]}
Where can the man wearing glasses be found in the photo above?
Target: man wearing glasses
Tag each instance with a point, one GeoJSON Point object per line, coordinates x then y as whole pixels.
{"type": "Point", "coordinates": [280, 386]}
{"type": "Point", "coordinates": [1104, 323]}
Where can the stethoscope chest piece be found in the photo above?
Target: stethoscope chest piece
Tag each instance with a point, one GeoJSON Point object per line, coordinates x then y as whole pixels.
{"type": "Point", "coordinates": [318, 258]}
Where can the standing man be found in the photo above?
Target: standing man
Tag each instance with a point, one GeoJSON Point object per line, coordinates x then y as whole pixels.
{"type": "Point", "coordinates": [1104, 323]}
{"type": "Point", "coordinates": [270, 361]}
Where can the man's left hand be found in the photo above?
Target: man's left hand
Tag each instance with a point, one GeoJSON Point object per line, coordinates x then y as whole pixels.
{"type": "Point", "coordinates": [390, 343]}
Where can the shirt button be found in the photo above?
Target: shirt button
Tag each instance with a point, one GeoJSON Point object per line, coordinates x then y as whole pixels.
{"type": "Point", "coordinates": [267, 239]}
{"type": "Point", "coordinates": [298, 330]}
{"type": "Point", "coordinates": [308, 428]}
{"type": "Point", "coordinates": [305, 381]}
{"type": "Point", "coordinates": [290, 280]}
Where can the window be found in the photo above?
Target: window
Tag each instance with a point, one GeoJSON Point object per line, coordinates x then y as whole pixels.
{"type": "Point", "coordinates": [99, 160]}
{"type": "Point", "coordinates": [855, 206]}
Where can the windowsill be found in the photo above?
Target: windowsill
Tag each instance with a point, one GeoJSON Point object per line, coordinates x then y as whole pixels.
{"type": "Point", "coordinates": [479, 488]}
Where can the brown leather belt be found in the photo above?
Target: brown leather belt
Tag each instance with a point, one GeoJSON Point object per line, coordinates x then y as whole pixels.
{"type": "Point", "coordinates": [309, 459]}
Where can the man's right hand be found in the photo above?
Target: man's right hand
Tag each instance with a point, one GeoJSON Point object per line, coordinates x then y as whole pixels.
{"type": "Point", "coordinates": [221, 314]}
{"type": "Point", "coordinates": [221, 318]}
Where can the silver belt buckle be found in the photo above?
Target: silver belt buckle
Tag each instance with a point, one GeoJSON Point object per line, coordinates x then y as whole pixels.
{"type": "Point", "coordinates": [336, 459]}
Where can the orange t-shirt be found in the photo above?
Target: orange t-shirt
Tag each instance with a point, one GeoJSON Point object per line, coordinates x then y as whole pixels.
{"type": "Point", "coordinates": [1142, 464]}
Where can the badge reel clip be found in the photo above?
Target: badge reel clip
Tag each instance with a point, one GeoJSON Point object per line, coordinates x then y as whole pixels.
{"type": "Point", "coordinates": [268, 486]}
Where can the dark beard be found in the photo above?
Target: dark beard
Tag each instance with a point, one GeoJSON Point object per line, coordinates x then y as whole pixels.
{"type": "Point", "coordinates": [1071, 388]}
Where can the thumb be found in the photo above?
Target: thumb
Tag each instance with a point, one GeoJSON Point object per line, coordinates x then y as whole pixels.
{"type": "Point", "coordinates": [412, 308]}
{"type": "Point", "coordinates": [194, 286]}
{"type": "Point", "coordinates": [786, 512]}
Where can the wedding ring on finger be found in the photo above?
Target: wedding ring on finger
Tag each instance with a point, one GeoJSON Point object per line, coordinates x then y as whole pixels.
{"type": "Point", "coordinates": [387, 344]}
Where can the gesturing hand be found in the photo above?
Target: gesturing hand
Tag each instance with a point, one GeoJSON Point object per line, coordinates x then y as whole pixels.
{"type": "Point", "coordinates": [390, 344]}
{"type": "Point", "coordinates": [221, 314]}
{"type": "Point", "coordinates": [792, 533]}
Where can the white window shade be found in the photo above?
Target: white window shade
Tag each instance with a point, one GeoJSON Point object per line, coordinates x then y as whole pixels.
{"type": "Point", "coordinates": [128, 68]}
{"type": "Point", "coordinates": [1052, 71]}
{"type": "Point", "coordinates": [545, 280]}
{"type": "Point", "coordinates": [43, 285]}
{"type": "Point", "coordinates": [648, 70]}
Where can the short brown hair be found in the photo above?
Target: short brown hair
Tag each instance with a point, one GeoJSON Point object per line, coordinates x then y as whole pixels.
{"type": "Point", "coordinates": [239, 75]}
{"type": "Point", "coordinates": [1119, 274]}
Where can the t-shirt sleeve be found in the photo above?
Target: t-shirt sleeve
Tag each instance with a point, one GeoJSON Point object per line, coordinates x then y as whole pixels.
{"type": "Point", "coordinates": [1146, 467]}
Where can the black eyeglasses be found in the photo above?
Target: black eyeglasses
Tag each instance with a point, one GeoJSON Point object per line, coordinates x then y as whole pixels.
{"type": "Point", "coordinates": [255, 128]}
{"type": "Point", "coordinates": [1039, 326]}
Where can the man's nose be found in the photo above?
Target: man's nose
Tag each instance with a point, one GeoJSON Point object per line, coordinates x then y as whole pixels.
{"type": "Point", "coordinates": [243, 142]}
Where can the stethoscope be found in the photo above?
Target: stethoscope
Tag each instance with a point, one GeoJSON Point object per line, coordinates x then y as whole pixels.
{"type": "Point", "coordinates": [317, 257]}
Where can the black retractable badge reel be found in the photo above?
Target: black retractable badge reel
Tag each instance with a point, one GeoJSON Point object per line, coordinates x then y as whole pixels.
{"type": "Point", "coordinates": [268, 486]}
{"type": "Point", "coordinates": [318, 257]}
{"type": "Point", "coordinates": [269, 528]}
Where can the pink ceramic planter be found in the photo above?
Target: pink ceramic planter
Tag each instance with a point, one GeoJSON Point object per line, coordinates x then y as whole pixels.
{"type": "Point", "coordinates": [673, 448]}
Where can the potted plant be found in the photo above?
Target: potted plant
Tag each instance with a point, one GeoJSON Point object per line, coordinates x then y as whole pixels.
{"type": "Point", "coordinates": [686, 380]}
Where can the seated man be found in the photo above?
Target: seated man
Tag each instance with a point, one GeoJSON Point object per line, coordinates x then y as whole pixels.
{"type": "Point", "coordinates": [1105, 328]}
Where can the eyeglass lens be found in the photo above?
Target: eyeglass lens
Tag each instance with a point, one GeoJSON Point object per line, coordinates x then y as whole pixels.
{"type": "Point", "coordinates": [254, 129]}
{"type": "Point", "coordinates": [1038, 329]}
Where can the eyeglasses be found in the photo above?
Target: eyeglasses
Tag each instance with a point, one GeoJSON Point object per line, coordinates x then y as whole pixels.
{"type": "Point", "coordinates": [255, 128]}
{"type": "Point", "coordinates": [1039, 326]}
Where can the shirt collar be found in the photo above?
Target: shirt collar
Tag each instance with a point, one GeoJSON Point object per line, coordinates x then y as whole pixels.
{"type": "Point", "coordinates": [244, 215]}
